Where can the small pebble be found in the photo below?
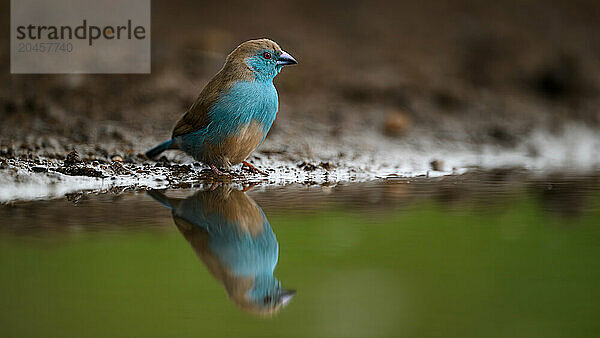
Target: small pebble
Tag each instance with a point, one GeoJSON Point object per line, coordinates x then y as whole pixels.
{"type": "Point", "coordinates": [397, 123]}
{"type": "Point", "coordinates": [39, 169]}
{"type": "Point", "coordinates": [437, 165]}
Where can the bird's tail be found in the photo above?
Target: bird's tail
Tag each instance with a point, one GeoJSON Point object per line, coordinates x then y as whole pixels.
{"type": "Point", "coordinates": [152, 153]}
{"type": "Point", "coordinates": [160, 197]}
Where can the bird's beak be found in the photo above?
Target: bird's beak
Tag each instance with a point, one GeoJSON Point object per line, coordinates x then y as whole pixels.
{"type": "Point", "coordinates": [286, 296]}
{"type": "Point", "coordinates": [286, 59]}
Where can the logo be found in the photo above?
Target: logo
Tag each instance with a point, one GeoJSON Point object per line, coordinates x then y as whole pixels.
{"type": "Point", "coordinates": [80, 36]}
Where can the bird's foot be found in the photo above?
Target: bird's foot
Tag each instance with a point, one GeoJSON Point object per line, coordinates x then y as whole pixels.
{"type": "Point", "coordinates": [218, 172]}
{"type": "Point", "coordinates": [250, 167]}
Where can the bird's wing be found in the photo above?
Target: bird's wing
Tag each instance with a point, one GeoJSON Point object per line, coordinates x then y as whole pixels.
{"type": "Point", "coordinates": [197, 117]}
{"type": "Point", "coordinates": [199, 240]}
{"type": "Point", "coordinates": [191, 121]}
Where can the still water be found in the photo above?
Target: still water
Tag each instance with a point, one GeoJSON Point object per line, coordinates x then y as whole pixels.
{"type": "Point", "coordinates": [494, 254]}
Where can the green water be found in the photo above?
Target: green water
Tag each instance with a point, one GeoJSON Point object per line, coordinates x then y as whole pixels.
{"type": "Point", "coordinates": [370, 261]}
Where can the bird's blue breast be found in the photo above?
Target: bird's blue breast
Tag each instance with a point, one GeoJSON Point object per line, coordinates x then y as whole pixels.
{"type": "Point", "coordinates": [247, 102]}
{"type": "Point", "coordinates": [243, 103]}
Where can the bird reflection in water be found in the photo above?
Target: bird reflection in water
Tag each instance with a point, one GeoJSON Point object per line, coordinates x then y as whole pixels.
{"type": "Point", "coordinates": [232, 236]}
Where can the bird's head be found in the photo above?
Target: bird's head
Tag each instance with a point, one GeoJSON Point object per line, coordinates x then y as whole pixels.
{"type": "Point", "coordinates": [263, 57]}
{"type": "Point", "coordinates": [266, 296]}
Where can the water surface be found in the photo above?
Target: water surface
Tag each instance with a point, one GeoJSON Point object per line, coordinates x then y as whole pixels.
{"type": "Point", "coordinates": [495, 254]}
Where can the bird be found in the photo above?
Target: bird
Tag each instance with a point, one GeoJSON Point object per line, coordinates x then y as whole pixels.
{"type": "Point", "coordinates": [231, 235]}
{"type": "Point", "coordinates": [234, 112]}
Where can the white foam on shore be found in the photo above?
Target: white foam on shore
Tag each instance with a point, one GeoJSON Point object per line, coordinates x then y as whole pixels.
{"type": "Point", "coordinates": [353, 159]}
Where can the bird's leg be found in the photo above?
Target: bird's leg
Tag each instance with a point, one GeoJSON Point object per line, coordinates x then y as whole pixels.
{"type": "Point", "coordinates": [217, 171]}
{"type": "Point", "coordinates": [214, 186]}
{"type": "Point", "coordinates": [249, 187]}
{"type": "Point", "coordinates": [252, 168]}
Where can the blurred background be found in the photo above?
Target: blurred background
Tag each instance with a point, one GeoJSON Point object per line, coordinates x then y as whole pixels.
{"type": "Point", "coordinates": [487, 72]}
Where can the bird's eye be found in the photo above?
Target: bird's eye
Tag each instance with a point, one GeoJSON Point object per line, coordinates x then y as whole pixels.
{"type": "Point", "coordinates": [267, 55]}
{"type": "Point", "coordinates": [267, 299]}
